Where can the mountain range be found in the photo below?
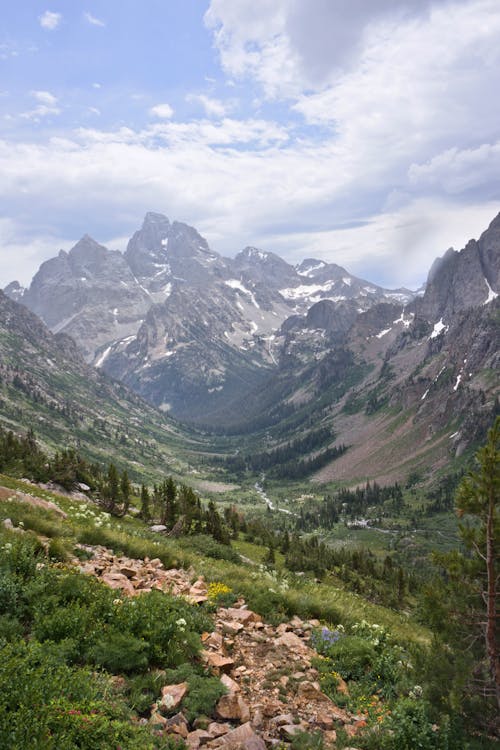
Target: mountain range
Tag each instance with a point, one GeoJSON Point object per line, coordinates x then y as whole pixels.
{"type": "Point", "coordinates": [252, 344]}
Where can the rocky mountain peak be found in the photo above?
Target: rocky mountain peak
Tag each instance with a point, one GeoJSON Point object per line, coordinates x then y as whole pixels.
{"type": "Point", "coordinates": [88, 255]}
{"type": "Point", "coordinates": [308, 266]}
{"type": "Point", "coordinates": [14, 291]}
{"type": "Point", "coordinates": [465, 279]}
{"type": "Point", "coordinates": [264, 267]}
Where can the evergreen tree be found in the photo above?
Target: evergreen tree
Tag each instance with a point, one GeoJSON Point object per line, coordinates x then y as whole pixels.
{"type": "Point", "coordinates": [478, 497]}
{"type": "Point", "coordinates": [145, 504]}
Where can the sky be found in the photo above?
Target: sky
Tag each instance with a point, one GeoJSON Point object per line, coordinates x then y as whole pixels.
{"type": "Point", "coordinates": [361, 132]}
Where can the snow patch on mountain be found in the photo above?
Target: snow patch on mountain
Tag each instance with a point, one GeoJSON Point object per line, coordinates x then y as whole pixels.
{"type": "Point", "coordinates": [491, 294]}
{"type": "Point", "coordinates": [439, 327]}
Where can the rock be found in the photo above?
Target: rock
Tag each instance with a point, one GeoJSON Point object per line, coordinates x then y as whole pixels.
{"type": "Point", "coordinates": [324, 720]}
{"type": "Point", "coordinates": [288, 731]}
{"type": "Point", "coordinates": [271, 708]}
{"type": "Point", "coordinates": [284, 627]}
{"type": "Point", "coordinates": [282, 719]}
{"type": "Point", "coordinates": [230, 684]}
{"type": "Point", "coordinates": [242, 737]}
{"type": "Point", "coordinates": [177, 725]}
{"type": "Point", "coordinates": [217, 661]}
{"type": "Point", "coordinates": [233, 707]}
{"type": "Point", "coordinates": [215, 641]}
{"type": "Point", "coordinates": [244, 616]}
{"type": "Point", "coordinates": [118, 581]}
{"type": "Point", "coordinates": [159, 528]}
{"type": "Point", "coordinates": [172, 695]}
{"type": "Point", "coordinates": [292, 642]}
{"type": "Point", "coordinates": [128, 572]}
{"type": "Point", "coordinates": [231, 628]}
{"type": "Point", "coordinates": [157, 720]}
{"type": "Point", "coordinates": [218, 730]}
{"type": "Point", "coordinates": [197, 738]}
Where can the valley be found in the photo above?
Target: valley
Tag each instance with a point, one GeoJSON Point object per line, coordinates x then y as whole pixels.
{"type": "Point", "coordinates": [292, 438]}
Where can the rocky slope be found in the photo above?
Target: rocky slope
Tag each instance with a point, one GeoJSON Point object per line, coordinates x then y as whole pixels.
{"type": "Point", "coordinates": [45, 384]}
{"type": "Point", "coordinates": [405, 387]}
{"type": "Point", "coordinates": [273, 691]}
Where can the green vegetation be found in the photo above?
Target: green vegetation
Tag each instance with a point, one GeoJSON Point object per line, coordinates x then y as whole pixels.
{"type": "Point", "coordinates": [420, 668]}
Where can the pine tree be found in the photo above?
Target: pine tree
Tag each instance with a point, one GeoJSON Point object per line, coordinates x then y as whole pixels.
{"type": "Point", "coordinates": [145, 504]}
{"type": "Point", "coordinates": [478, 497]}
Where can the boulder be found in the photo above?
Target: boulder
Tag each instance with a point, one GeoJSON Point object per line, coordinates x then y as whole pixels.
{"type": "Point", "coordinates": [177, 725]}
{"type": "Point", "coordinates": [233, 707]}
{"type": "Point", "coordinates": [242, 737]}
{"type": "Point", "coordinates": [172, 695]}
{"type": "Point", "coordinates": [217, 661]}
{"type": "Point", "coordinates": [231, 685]}
{"type": "Point", "coordinates": [292, 642]}
{"type": "Point", "coordinates": [118, 581]}
{"type": "Point", "coordinates": [231, 628]}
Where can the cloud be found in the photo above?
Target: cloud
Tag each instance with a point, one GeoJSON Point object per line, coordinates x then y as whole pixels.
{"type": "Point", "coordinates": [48, 105]}
{"type": "Point", "coordinates": [92, 20]}
{"type": "Point", "coordinates": [212, 107]}
{"type": "Point", "coordinates": [44, 97]}
{"type": "Point", "coordinates": [456, 171]}
{"type": "Point", "coordinates": [50, 20]}
{"type": "Point", "coordinates": [22, 251]}
{"type": "Point", "coordinates": [237, 183]}
{"type": "Point", "coordinates": [163, 111]}
{"type": "Point", "coordinates": [304, 45]}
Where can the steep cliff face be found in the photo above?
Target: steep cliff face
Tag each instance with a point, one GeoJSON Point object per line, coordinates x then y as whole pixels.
{"type": "Point", "coordinates": [89, 293]}
{"type": "Point", "coordinates": [460, 280]}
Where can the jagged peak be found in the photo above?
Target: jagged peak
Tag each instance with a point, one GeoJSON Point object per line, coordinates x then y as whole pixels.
{"type": "Point", "coordinates": [439, 262]}
{"type": "Point", "coordinates": [154, 217]}
{"type": "Point", "coordinates": [86, 242]}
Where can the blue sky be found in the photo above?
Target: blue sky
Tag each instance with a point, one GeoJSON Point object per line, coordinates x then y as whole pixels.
{"type": "Point", "coordinates": [365, 132]}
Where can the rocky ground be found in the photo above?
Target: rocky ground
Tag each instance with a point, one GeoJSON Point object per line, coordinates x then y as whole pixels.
{"type": "Point", "coordinates": [273, 691]}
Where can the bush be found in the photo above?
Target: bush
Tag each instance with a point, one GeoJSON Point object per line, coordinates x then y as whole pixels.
{"type": "Point", "coordinates": [409, 727]}
{"type": "Point", "coordinates": [206, 545]}
{"type": "Point", "coordinates": [352, 657]}
{"type": "Point", "coordinates": [120, 652]}
{"type": "Point", "coordinates": [169, 626]}
{"type": "Point", "coordinates": [46, 705]}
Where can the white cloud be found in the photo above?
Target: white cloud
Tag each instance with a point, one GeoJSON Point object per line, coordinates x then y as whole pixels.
{"type": "Point", "coordinates": [162, 111]}
{"type": "Point", "coordinates": [48, 105]}
{"type": "Point", "coordinates": [213, 107]}
{"type": "Point", "coordinates": [92, 20]}
{"type": "Point", "coordinates": [456, 171]}
{"type": "Point", "coordinates": [203, 173]}
{"type": "Point", "coordinates": [22, 252]}
{"type": "Point", "coordinates": [44, 97]}
{"type": "Point", "coordinates": [50, 20]}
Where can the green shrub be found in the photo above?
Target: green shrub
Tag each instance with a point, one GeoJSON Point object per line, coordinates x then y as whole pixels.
{"type": "Point", "coordinates": [143, 689]}
{"type": "Point", "coordinates": [207, 546]}
{"type": "Point", "coordinates": [409, 727]}
{"type": "Point", "coordinates": [308, 741]}
{"type": "Point", "coordinates": [169, 626]}
{"type": "Point", "coordinates": [120, 652]}
{"type": "Point", "coordinates": [21, 554]}
{"type": "Point", "coordinates": [46, 705]}
{"type": "Point", "coordinates": [352, 657]}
